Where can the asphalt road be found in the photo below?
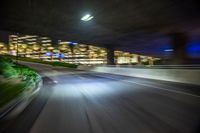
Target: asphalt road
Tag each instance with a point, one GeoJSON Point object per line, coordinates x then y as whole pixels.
{"type": "Point", "coordinates": [81, 102]}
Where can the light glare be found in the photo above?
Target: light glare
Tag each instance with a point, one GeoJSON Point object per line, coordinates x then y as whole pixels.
{"type": "Point", "coordinates": [87, 17]}
{"type": "Point", "coordinates": [168, 50]}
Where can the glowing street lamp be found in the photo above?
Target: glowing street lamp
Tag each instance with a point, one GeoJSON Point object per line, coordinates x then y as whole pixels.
{"type": "Point", "coordinates": [87, 17]}
{"type": "Point", "coordinates": [168, 50]}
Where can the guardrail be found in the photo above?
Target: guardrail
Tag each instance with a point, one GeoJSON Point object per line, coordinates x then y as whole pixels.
{"type": "Point", "coordinates": [155, 66]}
{"type": "Point", "coordinates": [176, 73]}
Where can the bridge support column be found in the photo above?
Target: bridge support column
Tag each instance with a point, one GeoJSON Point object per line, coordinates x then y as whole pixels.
{"type": "Point", "coordinates": [110, 56]}
{"type": "Point", "coordinates": [179, 41]}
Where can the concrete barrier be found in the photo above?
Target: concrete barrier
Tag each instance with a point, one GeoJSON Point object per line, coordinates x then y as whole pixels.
{"type": "Point", "coordinates": [190, 76]}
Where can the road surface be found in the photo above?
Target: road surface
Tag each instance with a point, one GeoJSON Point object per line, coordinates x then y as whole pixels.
{"type": "Point", "coordinates": [87, 102]}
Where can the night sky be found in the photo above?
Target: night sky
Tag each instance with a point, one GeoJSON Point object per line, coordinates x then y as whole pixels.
{"type": "Point", "coordinates": [139, 26]}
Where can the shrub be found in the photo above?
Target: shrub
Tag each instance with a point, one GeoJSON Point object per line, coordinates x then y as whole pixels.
{"type": "Point", "coordinates": [64, 64]}
{"type": "Point", "coordinates": [26, 73]}
{"type": "Point", "coordinates": [10, 69]}
{"type": "Point", "coordinates": [6, 67]}
{"type": "Point", "coordinates": [10, 89]}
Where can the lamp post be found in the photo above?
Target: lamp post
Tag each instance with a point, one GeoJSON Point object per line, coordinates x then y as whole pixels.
{"type": "Point", "coordinates": [17, 49]}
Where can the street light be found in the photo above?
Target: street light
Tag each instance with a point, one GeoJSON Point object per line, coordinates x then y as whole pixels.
{"type": "Point", "coordinates": [87, 17]}
{"type": "Point", "coordinates": [17, 48]}
{"type": "Point", "coordinates": [168, 50]}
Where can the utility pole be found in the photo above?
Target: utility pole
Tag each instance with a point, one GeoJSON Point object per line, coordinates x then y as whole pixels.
{"type": "Point", "coordinates": [17, 48]}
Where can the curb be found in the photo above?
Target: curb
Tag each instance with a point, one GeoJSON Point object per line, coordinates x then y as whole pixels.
{"type": "Point", "coordinates": [15, 103]}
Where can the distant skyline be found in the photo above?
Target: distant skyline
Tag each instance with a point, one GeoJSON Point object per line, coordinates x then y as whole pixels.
{"type": "Point", "coordinates": [193, 45]}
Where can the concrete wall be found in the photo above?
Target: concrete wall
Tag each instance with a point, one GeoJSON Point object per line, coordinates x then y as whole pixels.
{"type": "Point", "coordinates": [176, 75]}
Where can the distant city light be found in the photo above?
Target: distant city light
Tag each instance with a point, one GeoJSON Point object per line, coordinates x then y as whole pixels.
{"type": "Point", "coordinates": [74, 43]}
{"type": "Point", "coordinates": [48, 54]}
{"type": "Point", "coordinates": [87, 17]}
{"type": "Point", "coordinates": [31, 42]}
{"type": "Point", "coordinates": [65, 42]}
{"type": "Point", "coordinates": [69, 51]}
{"type": "Point", "coordinates": [168, 50]}
{"type": "Point", "coordinates": [56, 54]}
{"type": "Point", "coordinates": [61, 55]}
{"type": "Point", "coordinates": [46, 41]}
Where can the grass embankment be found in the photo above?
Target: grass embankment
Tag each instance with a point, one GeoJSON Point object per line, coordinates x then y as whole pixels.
{"type": "Point", "coordinates": [14, 79]}
{"type": "Point", "coordinates": [56, 63]}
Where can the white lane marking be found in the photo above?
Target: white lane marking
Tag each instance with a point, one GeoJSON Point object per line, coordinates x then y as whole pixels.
{"type": "Point", "coordinates": [146, 85]}
{"type": "Point", "coordinates": [82, 77]}
{"type": "Point", "coordinates": [36, 90]}
{"type": "Point", "coordinates": [55, 81]}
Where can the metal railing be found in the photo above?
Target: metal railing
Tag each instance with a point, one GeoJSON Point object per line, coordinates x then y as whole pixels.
{"type": "Point", "coordinates": [156, 66]}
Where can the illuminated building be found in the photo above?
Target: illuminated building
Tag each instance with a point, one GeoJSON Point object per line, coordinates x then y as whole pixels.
{"type": "Point", "coordinates": [29, 45]}
{"type": "Point", "coordinates": [129, 58]}
{"type": "Point", "coordinates": [3, 48]}
{"type": "Point", "coordinates": [42, 48]}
